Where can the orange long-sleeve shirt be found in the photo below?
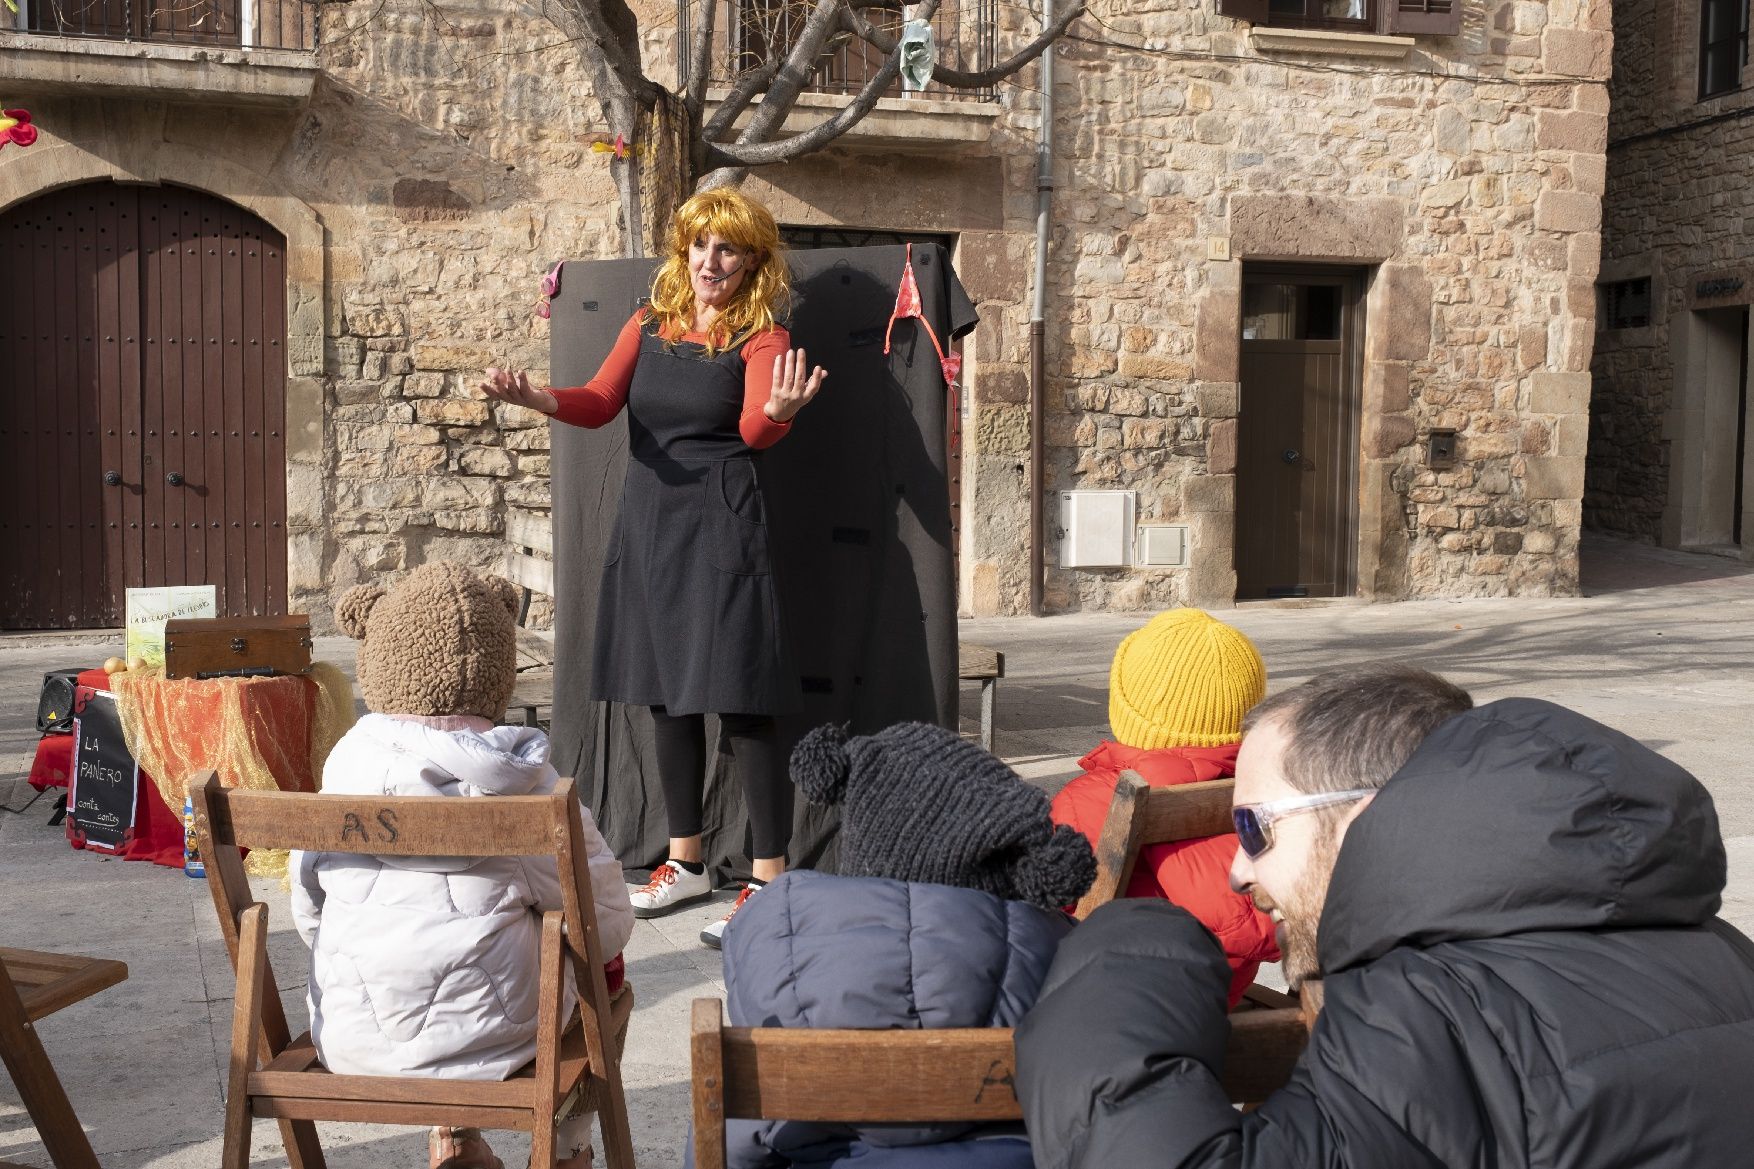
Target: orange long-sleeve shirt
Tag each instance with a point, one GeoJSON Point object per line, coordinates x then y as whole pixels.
{"type": "Point", "coordinates": [601, 399]}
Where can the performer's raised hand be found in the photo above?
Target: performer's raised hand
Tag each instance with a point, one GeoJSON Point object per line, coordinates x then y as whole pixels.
{"type": "Point", "coordinates": [792, 391]}
{"type": "Point", "coordinates": [507, 386]}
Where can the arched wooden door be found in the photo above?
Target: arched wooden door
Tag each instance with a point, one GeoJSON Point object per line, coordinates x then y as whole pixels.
{"type": "Point", "coordinates": [142, 403]}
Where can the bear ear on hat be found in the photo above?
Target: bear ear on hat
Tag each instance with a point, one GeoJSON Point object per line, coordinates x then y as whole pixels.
{"type": "Point", "coordinates": [1056, 872]}
{"type": "Point", "coordinates": [354, 607]}
{"type": "Point", "coordinates": [820, 764]}
{"type": "Point", "coordinates": [508, 593]}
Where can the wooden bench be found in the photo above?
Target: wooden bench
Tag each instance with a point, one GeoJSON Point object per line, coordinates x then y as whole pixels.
{"type": "Point", "coordinates": [273, 1075]}
{"type": "Point", "coordinates": [34, 985]}
{"type": "Point", "coordinates": [529, 564]}
{"type": "Point", "coordinates": [910, 1077]}
{"type": "Point", "coordinates": [978, 663]}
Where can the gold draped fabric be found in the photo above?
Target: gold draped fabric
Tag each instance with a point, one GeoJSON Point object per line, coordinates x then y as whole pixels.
{"type": "Point", "coordinates": [263, 733]}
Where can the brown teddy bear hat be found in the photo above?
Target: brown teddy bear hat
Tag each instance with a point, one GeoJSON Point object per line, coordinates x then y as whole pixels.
{"type": "Point", "coordinates": [443, 641]}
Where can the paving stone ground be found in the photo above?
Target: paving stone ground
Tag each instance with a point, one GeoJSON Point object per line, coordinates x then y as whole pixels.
{"type": "Point", "coordinates": [1658, 646]}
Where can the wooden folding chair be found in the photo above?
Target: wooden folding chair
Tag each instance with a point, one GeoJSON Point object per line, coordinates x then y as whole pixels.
{"type": "Point", "coordinates": [909, 1077]}
{"type": "Point", "coordinates": [1142, 815]}
{"type": "Point", "coordinates": [273, 1075]}
{"type": "Point", "coordinates": [34, 985]}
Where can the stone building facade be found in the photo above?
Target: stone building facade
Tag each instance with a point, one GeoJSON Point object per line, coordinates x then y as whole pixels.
{"type": "Point", "coordinates": [1669, 413]}
{"type": "Point", "coordinates": [1440, 193]}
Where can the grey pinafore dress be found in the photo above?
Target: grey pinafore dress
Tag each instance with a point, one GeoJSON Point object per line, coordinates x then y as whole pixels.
{"type": "Point", "coordinates": [688, 617]}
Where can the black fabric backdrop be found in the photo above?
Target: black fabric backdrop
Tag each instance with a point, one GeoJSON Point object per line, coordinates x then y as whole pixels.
{"type": "Point", "coordinates": [859, 509]}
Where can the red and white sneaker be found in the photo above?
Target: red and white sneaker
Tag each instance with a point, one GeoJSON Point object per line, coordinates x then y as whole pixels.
{"type": "Point", "coordinates": [671, 887]}
{"type": "Point", "coordinates": [714, 934]}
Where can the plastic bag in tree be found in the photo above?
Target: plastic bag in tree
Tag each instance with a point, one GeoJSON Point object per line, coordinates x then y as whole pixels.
{"type": "Point", "coordinates": [918, 54]}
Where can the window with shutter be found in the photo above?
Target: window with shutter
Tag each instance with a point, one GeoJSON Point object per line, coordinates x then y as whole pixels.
{"type": "Point", "coordinates": [1723, 46]}
{"type": "Point", "coordinates": [1337, 15]}
{"type": "Point", "coordinates": [1430, 17]}
{"type": "Point", "coordinates": [1403, 17]}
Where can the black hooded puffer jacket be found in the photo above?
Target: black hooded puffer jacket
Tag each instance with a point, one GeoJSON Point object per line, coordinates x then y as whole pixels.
{"type": "Point", "coordinates": [1524, 968]}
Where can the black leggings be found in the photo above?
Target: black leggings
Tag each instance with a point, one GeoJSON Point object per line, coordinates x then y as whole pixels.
{"type": "Point", "coordinates": [755, 752]}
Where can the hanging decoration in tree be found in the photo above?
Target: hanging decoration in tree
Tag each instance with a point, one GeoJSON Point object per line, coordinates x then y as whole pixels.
{"type": "Point", "coordinates": [621, 148]}
{"type": "Point", "coordinates": [15, 127]}
{"type": "Point", "coordinates": [919, 53]}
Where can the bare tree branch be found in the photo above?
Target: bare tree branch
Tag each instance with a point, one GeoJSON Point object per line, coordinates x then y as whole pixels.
{"type": "Point", "coordinates": [742, 93]}
{"type": "Point", "coordinates": [800, 64]}
{"type": "Point", "coordinates": [746, 153]}
{"type": "Point", "coordinates": [700, 63]}
{"type": "Point", "coordinates": [724, 176]}
{"type": "Point", "coordinates": [956, 78]}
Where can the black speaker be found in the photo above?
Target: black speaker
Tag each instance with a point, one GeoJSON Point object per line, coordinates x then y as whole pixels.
{"type": "Point", "coordinates": [55, 705]}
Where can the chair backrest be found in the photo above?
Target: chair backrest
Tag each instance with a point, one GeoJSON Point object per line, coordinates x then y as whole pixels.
{"type": "Point", "coordinates": [437, 826]}
{"type": "Point", "coordinates": [909, 1077]}
{"type": "Point", "coordinates": [1141, 814]}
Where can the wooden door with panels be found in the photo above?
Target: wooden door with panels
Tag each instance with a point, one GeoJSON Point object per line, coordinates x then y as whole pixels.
{"type": "Point", "coordinates": [1297, 432]}
{"type": "Point", "coordinates": [142, 403]}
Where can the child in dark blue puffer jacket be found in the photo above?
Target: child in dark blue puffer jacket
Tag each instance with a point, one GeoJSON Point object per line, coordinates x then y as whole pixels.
{"type": "Point", "coordinates": [946, 915]}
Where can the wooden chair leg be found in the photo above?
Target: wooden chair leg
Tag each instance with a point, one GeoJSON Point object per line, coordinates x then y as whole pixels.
{"type": "Point", "coordinates": [617, 1133]}
{"type": "Point", "coordinates": [302, 1149]}
{"type": "Point", "coordinates": [549, 1025]}
{"type": "Point", "coordinates": [707, 1080]}
{"type": "Point", "coordinates": [246, 1014]}
{"type": "Point", "coordinates": [39, 1087]}
{"type": "Point", "coordinates": [989, 695]}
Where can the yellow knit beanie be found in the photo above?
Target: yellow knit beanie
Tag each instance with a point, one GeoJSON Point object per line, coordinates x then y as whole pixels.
{"type": "Point", "coordinates": [1184, 680]}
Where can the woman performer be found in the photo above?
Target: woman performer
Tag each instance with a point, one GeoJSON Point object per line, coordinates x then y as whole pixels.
{"type": "Point", "coordinates": [688, 618]}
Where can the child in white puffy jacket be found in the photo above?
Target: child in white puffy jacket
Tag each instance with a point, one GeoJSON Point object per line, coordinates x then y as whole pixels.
{"type": "Point", "coordinates": [425, 966]}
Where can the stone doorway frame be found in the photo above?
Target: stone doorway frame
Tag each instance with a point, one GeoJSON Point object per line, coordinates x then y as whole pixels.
{"type": "Point", "coordinates": [48, 167]}
{"type": "Point", "coordinates": [1305, 229]}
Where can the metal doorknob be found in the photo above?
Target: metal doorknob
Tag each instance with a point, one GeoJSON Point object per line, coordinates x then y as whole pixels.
{"type": "Point", "coordinates": [175, 478]}
{"type": "Point", "coordinates": [1290, 456]}
{"type": "Point", "coordinates": [112, 478]}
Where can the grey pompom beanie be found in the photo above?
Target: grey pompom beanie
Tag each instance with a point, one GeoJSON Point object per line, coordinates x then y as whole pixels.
{"type": "Point", "coordinates": [920, 804]}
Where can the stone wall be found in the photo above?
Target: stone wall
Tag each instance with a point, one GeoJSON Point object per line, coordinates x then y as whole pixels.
{"type": "Point", "coordinates": [1466, 178]}
{"type": "Point", "coordinates": [443, 164]}
{"type": "Point", "coordinates": [445, 156]}
{"type": "Point", "coordinates": [1680, 192]}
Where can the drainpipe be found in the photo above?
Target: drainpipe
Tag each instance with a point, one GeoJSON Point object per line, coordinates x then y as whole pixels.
{"type": "Point", "coordinates": [1044, 189]}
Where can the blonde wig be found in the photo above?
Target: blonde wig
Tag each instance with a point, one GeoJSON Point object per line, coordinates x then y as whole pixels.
{"type": "Point", "coordinates": [766, 291]}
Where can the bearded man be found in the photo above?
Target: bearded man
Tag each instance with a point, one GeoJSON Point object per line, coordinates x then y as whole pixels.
{"type": "Point", "coordinates": [1513, 913]}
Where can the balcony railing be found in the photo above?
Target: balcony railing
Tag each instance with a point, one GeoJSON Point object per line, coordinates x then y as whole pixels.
{"type": "Point", "coordinates": [752, 30]}
{"type": "Point", "coordinates": [237, 24]}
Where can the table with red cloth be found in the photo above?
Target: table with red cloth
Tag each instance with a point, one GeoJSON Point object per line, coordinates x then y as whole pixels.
{"type": "Point", "coordinates": [254, 732]}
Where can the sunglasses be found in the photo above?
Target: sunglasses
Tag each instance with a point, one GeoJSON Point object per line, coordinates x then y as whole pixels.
{"type": "Point", "coordinates": [1254, 822]}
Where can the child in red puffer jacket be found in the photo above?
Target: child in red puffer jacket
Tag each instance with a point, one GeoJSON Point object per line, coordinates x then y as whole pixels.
{"type": "Point", "coordinates": [1177, 692]}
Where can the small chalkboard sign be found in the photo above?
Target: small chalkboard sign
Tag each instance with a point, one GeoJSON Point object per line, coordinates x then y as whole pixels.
{"type": "Point", "coordinates": [100, 806]}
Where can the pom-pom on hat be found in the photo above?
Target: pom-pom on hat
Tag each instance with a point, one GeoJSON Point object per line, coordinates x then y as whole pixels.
{"type": "Point", "coordinates": [920, 804]}
{"type": "Point", "coordinates": [442, 641]}
{"type": "Point", "coordinates": [1184, 680]}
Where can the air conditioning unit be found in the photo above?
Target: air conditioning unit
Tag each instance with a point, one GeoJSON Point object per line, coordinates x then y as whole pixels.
{"type": "Point", "coordinates": [1097, 529]}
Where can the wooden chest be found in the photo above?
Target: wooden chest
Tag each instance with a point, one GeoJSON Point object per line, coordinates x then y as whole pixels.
{"type": "Point", "coordinates": [206, 647]}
